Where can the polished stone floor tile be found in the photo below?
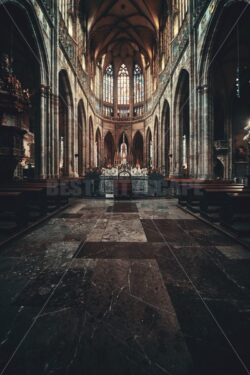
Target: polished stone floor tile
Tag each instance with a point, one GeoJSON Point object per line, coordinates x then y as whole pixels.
{"type": "Point", "coordinates": [204, 234]}
{"type": "Point", "coordinates": [113, 230]}
{"type": "Point", "coordinates": [173, 233]}
{"type": "Point", "coordinates": [97, 331]}
{"type": "Point", "coordinates": [124, 288]}
{"type": "Point", "coordinates": [152, 234]}
{"type": "Point", "coordinates": [191, 268]}
{"type": "Point", "coordinates": [117, 250]}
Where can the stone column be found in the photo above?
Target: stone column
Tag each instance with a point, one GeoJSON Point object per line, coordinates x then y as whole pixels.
{"type": "Point", "coordinates": [49, 134]}
{"type": "Point", "coordinates": [177, 162]}
{"type": "Point", "coordinates": [95, 153]}
{"type": "Point", "coordinates": [75, 151]}
{"type": "Point", "coordinates": [84, 134]}
{"type": "Point", "coordinates": [42, 150]}
{"type": "Point", "coordinates": [206, 139]}
{"type": "Point", "coordinates": [70, 140]}
{"type": "Point", "coordinates": [162, 145]}
{"type": "Point", "coordinates": [172, 129]}
{"type": "Point", "coordinates": [54, 118]}
{"type": "Point", "coordinates": [191, 153]}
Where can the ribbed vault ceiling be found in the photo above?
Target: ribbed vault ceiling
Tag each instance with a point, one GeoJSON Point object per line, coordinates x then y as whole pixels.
{"type": "Point", "coordinates": [123, 26]}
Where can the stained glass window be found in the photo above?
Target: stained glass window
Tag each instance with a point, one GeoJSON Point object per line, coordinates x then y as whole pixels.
{"type": "Point", "coordinates": [123, 85]}
{"type": "Point", "coordinates": [108, 85]}
{"type": "Point", "coordinates": [138, 85]}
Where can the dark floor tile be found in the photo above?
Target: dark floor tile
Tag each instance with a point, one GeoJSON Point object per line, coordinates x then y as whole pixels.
{"type": "Point", "coordinates": [210, 350]}
{"type": "Point", "coordinates": [67, 289]}
{"type": "Point", "coordinates": [123, 327]}
{"type": "Point", "coordinates": [151, 232]}
{"type": "Point", "coordinates": [173, 233]}
{"type": "Point", "coordinates": [203, 233]}
{"type": "Point", "coordinates": [236, 269]}
{"type": "Point", "coordinates": [176, 263]}
{"type": "Point", "coordinates": [192, 225]}
{"type": "Point", "coordinates": [116, 250]}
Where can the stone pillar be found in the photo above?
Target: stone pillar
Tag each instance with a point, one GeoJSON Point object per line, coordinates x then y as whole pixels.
{"type": "Point", "coordinates": [191, 153]}
{"type": "Point", "coordinates": [49, 135]}
{"type": "Point", "coordinates": [206, 139]}
{"type": "Point", "coordinates": [87, 141]}
{"type": "Point", "coordinates": [176, 143]}
{"type": "Point", "coordinates": [162, 145]}
{"type": "Point", "coordinates": [75, 150]}
{"type": "Point", "coordinates": [95, 154]}
{"type": "Point", "coordinates": [199, 156]}
{"type": "Point", "coordinates": [172, 129]}
{"type": "Point", "coordinates": [42, 151]}
{"type": "Point", "coordinates": [84, 142]}
{"type": "Point", "coordinates": [54, 118]}
{"type": "Point", "coordinates": [69, 145]}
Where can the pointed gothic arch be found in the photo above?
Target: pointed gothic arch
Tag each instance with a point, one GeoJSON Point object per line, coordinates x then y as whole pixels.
{"type": "Point", "coordinates": [109, 149]}
{"type": "Point", "coordinates": [149, 153]}
{"type": "Point", "coordinates": [66, 139]}
{"type": "Point", "coordinates": [81, 120]}
{"type": "Point", "coordinates": [156, 143]}
{"type": "Point", "coordinates": [91, 143]}
{"type": "Point", "coordinates": [98, 147]}
{"type": "Point", "coordinates": [182, 125]}
{"type": "Point", "coordinates": [138, 149]}
{"type": "Point", "coordinates": [166, 137]}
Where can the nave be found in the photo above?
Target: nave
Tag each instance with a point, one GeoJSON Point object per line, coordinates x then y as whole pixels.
{"type": "Point", "coordinates": [124, 287]}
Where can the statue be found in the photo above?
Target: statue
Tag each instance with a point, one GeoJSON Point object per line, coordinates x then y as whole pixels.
{"type": "Point", "coordinates": [124, 151]}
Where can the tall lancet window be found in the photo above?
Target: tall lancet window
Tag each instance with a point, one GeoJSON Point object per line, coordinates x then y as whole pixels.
{"type": "Point", "coordinates": [123, 86]}
{"type": "Point", "coordinates": [108, 85]}
{"type": "Point", "coordinates": [138, 85]}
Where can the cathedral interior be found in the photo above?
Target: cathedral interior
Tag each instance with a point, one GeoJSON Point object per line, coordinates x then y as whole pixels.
{"type": "Point", "coordinates": [124, 187]}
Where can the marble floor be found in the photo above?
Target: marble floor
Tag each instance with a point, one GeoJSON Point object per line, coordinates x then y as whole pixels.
{"type": "Point", "coordinates": [124, 288]}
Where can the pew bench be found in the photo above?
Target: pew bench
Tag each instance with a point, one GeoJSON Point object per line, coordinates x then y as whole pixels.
{"type": "Point", "coordinates": [212, 200]}
{"type": "Point", "coordinates": [196, 194]}
{"type": "Point", "coordinates": [13, 206]}
{"type": "Point", "coordinates": [35, 197]}
{"type": "Point", "coordinates": [235, 213]}
{"type": "Point", "coordinates": [183, 187]}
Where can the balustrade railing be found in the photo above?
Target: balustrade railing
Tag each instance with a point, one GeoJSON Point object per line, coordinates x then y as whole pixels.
{"type": "Point", "coordinates": [67, 42]}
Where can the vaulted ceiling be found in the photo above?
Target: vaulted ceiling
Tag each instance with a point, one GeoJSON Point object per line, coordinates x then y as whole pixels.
{"type": "Point", "coordinates": [123, 27]}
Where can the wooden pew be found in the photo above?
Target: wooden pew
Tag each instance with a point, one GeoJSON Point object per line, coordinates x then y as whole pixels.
{"type": "Point", "coordinates": [55, 194]}
{"type": "Point", "coordinates": [14, 203]}
{"type": "Point", "coordinates": [184, 185]}
{"type": "Point", "coordinates": [235, 212]}
{"type": "Point", "coordinates": [195, 193]}
{"type": "Point", "coordinates": [35, 196]}
{"type": "Point", "coordinates": [212, 200]}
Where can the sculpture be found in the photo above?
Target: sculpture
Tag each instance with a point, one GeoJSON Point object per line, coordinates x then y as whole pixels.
{"type": "Point", "coordinates": [124, 151]}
